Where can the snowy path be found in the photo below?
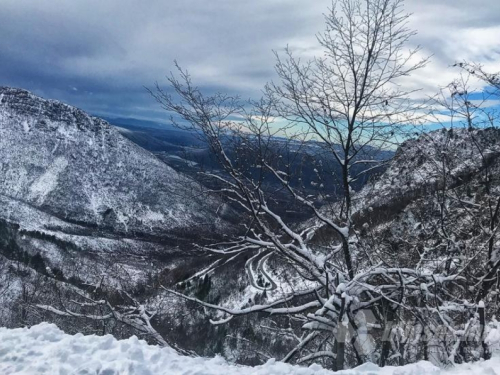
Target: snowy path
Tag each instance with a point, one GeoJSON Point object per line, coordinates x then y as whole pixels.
{"type": "Point", "coordinates": [44, 349]}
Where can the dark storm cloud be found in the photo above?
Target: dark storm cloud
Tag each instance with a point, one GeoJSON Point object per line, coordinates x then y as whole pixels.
{"type": "Point", "coordinates": [99, 54]}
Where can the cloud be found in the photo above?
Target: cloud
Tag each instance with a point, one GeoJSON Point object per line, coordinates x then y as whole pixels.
{"type": "Point", "coordinates": [110, 49]}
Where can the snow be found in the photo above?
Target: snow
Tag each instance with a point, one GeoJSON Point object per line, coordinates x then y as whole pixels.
{"type": "Point", "coordinates": [47, 182]}
{"type": "Point", "coordinates": [59, 159]}
{"type": "Point", "coordinates": [45, 349]}
{"type": "Point", "coordinates": [493, 336]}
{"type": "Point", "coordinates": [26, 126]}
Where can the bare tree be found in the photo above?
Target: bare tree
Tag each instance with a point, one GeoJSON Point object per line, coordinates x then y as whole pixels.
{"type": "Point", "coordinates": [348, 105]}
{"type": "Point", "coordinates": [424, 293]}
{"type": "Point", "coordinates": [450, 229]}
{"type": "Point", "coordinates": [470, 108]}
{"type": "Point", "coordinates": [130, 312]}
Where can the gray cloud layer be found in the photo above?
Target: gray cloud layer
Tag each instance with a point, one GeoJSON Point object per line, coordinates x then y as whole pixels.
{"type": "Point", "coordinates": [99, 54]}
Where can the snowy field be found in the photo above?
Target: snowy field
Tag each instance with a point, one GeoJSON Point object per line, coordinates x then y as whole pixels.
{"type": "Point", "coordinates": [44, 349]}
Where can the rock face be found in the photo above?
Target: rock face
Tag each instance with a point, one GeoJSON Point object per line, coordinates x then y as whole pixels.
{"type": "Point", "coordinates": [78, 168]}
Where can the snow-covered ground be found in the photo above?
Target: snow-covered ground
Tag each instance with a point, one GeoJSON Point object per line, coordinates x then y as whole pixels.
{"type": "Point", "coordinates": [45, 349]}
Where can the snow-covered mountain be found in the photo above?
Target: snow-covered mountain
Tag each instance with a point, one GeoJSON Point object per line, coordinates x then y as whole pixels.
{"type": "Point", "coordinates": [420, 166]}
{"type": "Point", "coordinates": [78, 168]}
{"type": "Point", "coordinates": [79, 201]}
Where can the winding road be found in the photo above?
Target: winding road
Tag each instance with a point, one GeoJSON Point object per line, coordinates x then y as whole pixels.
{"type": "Point", "coordinates": [261, 258]}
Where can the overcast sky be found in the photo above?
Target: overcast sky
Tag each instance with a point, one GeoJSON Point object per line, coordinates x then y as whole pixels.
{"type": "Point", "coordinates": [99, 54]}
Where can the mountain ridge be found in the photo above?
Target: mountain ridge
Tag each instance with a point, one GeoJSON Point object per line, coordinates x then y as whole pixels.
{"type": "Point", "coordinates": [81, 169]}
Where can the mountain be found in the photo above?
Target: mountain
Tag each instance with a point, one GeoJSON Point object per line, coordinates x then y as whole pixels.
{"type": "Point", "coordinates": [80, 203]}
{"type": "Point", "coordinates": [448, 157]}
{"type": "Point", "coordinates": [160, 140]}
{"type": "Point", "coordinates": [78, 168]}
{"type": "Point", "coordinates": [187, 153]}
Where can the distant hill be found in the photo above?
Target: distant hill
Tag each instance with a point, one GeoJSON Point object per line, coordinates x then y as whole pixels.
{"type": "Point", "coordinates": [186, 152]}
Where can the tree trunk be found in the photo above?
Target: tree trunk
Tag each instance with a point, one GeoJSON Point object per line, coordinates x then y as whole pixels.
{"type": "Point", "coordinates": [386, 338]}
{"type": "Point", "coordinates": [482, 323]}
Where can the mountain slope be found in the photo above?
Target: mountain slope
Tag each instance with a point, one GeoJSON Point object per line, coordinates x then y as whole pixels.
{"type": "Point", "coordinates": [77, 167]}
{"type": "Point", "coordinates": [79, 203]}
{"type": "Point", "coordinates": [424, 165]}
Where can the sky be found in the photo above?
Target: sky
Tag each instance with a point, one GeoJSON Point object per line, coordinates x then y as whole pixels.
{"type": "Point", "coordinates": [100, 54]}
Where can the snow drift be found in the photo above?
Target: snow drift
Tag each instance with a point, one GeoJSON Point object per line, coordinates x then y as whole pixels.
{"type": "Point", "coordinates": [45, 349]}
